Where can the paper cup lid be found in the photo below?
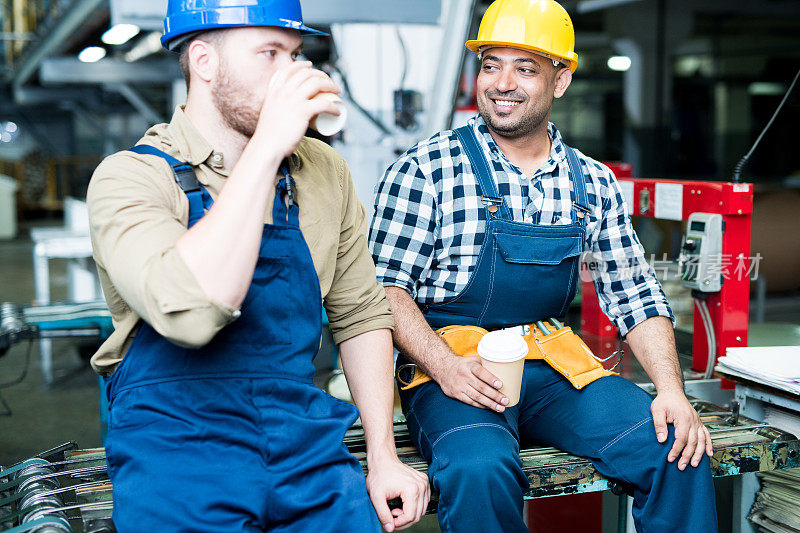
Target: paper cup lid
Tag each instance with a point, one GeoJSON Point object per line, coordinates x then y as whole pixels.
{"type": "Point", "coordinates": [502, 347]}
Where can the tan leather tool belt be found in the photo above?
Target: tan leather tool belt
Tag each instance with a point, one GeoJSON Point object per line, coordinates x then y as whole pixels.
{"type": "Point", "coordinates": [556, 344]}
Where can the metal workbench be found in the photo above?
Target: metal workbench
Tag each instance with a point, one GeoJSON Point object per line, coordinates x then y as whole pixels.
{"type": "Point", "coordinates": [84, 493]}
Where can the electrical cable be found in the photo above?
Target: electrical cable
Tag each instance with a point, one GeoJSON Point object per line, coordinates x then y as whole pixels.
{"type": "Point", "coordinates": [405, 57]}
{"type": "Point", "coordinates": [349, 95]}
{"type": "Point", "coordinates": [7, 409]}
{"type": "Point", "coordinates": [711, 339]}
{"type": "Point", "coordinates": [24, 374]}
{"type": "Point", "coordinates": [737, 170]}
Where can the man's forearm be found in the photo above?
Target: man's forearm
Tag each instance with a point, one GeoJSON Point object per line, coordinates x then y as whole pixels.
{"type": "Point", "coordinates": [413, 335]}
{"type": "Point", "coordinates": [368, 366]}
{"type": "Point", "coordinates": [653, 344]}
{"type": "Point", "coordinates": [227, 239]}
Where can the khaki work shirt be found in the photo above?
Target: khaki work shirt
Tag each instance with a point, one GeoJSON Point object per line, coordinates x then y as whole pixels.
{"type": "Point", "coordinates": [137, 212]}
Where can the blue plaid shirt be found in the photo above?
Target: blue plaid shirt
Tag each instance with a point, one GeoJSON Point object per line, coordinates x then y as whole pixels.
{"type": "Point", "coordinates": [429, 223]}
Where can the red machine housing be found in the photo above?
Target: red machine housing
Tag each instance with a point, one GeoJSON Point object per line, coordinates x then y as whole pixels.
{"type": "Point", "coordinates": [730, 307]}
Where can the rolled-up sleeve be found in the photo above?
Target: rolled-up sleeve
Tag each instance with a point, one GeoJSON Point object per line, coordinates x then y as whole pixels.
{"type": "Point", "coordinates": [403, 232]}
{"type": "Point", "coordinates": [626, 285]}
{"type": "Point", "coordinates": [135, 220]}
{"type": "Point", "coordinates": [356, 302]}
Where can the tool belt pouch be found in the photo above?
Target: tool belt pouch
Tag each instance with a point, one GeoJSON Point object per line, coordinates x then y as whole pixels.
{"type": "Point", "coordinates": [567, 354]}
{"type": "Point", "coordinates": [561, 348]}
{"type": "Point", "coordinates": [463, 340]}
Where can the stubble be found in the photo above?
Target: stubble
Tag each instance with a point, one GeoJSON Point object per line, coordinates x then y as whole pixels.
{"type": "Point", "coordinates": [234, 103]}
{"type": "Point", "coordinates": [530, 122]}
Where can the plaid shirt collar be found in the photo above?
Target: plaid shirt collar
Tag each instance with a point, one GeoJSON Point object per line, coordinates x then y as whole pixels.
{"type": "Point", "coordinates": [557, 152]}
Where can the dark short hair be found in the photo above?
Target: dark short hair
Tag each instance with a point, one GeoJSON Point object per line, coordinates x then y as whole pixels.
{"type": "Point", "coordinates": [213, 37]}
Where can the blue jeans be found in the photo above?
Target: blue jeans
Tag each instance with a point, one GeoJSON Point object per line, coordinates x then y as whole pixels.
{"type": "Point", "coordinates": [474, 453]}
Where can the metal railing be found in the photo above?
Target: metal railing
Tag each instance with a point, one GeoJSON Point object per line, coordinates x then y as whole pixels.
{"type": "Point", "coordinates": [27, 24]}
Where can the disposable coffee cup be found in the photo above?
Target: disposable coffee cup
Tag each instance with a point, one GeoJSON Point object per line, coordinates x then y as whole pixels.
{"type": "Point", "coordinates": [326, 124]}
{"type": "Point", "coordinates": [329, 124]}
{"type": "Point", "coordinates": [503, 354]}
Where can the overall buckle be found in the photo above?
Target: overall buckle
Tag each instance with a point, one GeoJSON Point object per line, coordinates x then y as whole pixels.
{"type": "Point", "coordinates": [493, 203]}
{"type": "Point", "coordinates": [185, 177]}
{"type": "Point", "coordinates": [582, 211]}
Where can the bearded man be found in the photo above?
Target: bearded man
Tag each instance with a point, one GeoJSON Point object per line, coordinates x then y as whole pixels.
{"type": "Point", "coordinates": [485, 226]}
{"type": "Point", "coordinates": [218, 239]}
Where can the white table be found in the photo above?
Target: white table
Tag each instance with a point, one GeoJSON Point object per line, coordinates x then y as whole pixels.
{"type": "Point", "coordinates": [59, 243]}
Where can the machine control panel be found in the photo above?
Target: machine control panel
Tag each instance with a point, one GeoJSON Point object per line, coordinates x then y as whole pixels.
{"type": "Point", "coordinates": [701, 253]}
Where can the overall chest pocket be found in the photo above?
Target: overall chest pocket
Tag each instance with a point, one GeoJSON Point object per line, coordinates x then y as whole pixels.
{"type": "Point", "coordinates": [536, 272]}
{"type": "Point", "coordinates": [538, 249]}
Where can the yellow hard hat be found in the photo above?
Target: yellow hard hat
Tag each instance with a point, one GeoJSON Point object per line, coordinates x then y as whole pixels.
{"type": "Point", "coordinates": [541, 26]}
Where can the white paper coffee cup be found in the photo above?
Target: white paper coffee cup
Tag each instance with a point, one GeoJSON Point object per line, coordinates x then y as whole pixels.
{"type": "Point", "coordinates": [503, 354]}
{"type": "Point", "coordinates": [326, 123]}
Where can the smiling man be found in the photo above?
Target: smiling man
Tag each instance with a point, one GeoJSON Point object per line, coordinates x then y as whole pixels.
{"type": "Point", "coordinates": [218, 239]}
{"type": "Point", "coordinates": [485, 226]}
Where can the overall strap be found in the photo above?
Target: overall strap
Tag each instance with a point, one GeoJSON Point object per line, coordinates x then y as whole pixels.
{"type": "Point", "coordinates": [185, 178]}
{"type": "Point", "coordinates": [495, 205]}
{"type": "Point", "coordinates": [581, 202]}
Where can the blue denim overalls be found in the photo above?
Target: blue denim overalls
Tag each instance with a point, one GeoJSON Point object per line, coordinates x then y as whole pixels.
{"type": "Point", "coordinates": [527, 272]}
{"type": "Point", "coordinates": [234, 436]}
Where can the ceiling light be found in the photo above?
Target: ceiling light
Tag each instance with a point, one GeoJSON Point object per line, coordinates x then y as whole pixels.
{"type": "Point", "coordinates": [587, 6]}
{"type": "Point", "coordinates": [147, 45]}
{"type": "Point", "coordinates": [120, 34]}
{"type": "Point", "coordinates": [619, 63]}
{"type": "Point", "coordinates": [766, 88]}
{"type": "Point", "coordinates": [9, 131]}
{"type": "Point", "coordinates": [92, 54]}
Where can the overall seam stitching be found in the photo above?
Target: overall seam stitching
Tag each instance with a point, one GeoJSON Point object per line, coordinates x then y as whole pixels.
{"type": "Point", "coordinates": [469, 426]}
{"type": "Point", "coordinates": [624, 433]}
{"type": "Point", "coordinates": [600, 455]}
{"type": "Point", "coordinates": [491, 282]}
{"type": "Point", "coordinates": [567, 300]}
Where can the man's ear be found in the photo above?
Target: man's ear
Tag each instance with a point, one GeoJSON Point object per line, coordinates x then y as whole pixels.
{"type": "Point", "coordinates": [203, 59]}
{"type": "Point", "coordinates": [563, 79]}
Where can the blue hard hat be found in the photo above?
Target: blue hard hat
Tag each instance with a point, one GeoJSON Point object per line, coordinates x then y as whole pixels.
{"type": "Point", "coordinates": [185, 17]}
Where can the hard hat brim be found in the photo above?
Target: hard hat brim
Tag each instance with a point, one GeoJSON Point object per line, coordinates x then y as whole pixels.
{"type": "Point", "coordinates": [172, 41]}
{"type": "Point", "coordinates": [476, 45]}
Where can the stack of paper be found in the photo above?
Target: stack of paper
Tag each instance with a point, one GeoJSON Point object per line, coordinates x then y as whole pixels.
{"type": "Point", "coordinates": [777, 366]}
{"type": "Point", "coordinates": [777, 505]}
{"type": "Point", "coordinates": [783, 419]}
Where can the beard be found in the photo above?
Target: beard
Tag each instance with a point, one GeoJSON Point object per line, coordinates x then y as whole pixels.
{"type": "Point", "coordinates": [234, 103]}
{"type": "Point", "coordinates": [530, 121]}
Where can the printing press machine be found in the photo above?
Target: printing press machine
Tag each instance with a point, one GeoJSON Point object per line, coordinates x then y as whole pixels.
{"type": "Point", "coordinates": [67, 488]}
